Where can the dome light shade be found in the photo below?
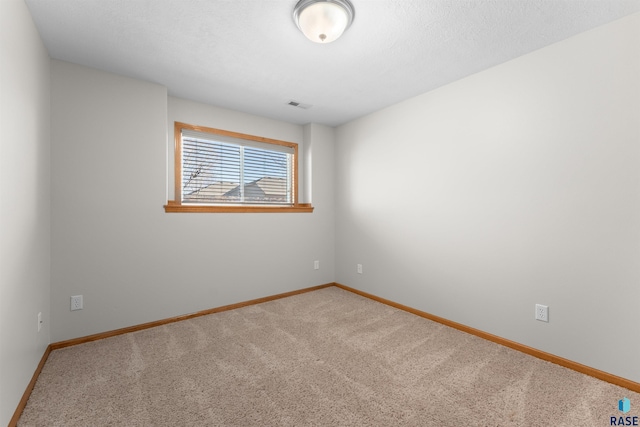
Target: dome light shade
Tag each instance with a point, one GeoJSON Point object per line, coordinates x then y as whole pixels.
{"type": "Point", "coordinates": [323, 21]}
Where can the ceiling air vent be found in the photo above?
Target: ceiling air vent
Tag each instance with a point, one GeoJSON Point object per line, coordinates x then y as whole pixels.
{"type": "Point", "coordinates": [299, 105]}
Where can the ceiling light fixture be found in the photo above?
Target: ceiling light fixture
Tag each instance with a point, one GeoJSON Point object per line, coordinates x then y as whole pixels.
{"type": "Point", "coordinates": [323, 21]}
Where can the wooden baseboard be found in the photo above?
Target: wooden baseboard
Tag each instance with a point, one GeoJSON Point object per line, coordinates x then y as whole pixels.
{"type": "Point", "coordinates": [605, 376]}
{"type": "Point", "coordinates": [25, 397]}
{"type": "Point", "coordinates": [102, 335]}
{"type": "Point", "coordinates": [587, 370]}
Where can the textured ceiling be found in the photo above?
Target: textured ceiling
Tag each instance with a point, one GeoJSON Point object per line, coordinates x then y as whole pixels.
{"type": "Point", "coordinates": [248, 55]}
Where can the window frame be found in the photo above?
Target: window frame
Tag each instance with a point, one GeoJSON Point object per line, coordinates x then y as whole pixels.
{"type": "Point", "coordinates": [176, 205]}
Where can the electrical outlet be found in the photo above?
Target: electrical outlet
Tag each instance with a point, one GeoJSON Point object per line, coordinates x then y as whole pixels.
{"type": "Point", "coordinates": [76, 302]}
{"type": "Point", "coordinates": [542, 312]}
{"type": "Point", "coordinates": [316, 265]}
{"type": "Point", "coordinates": [39, 321]}
{"type": "Point", "coordinates": [359, 268]}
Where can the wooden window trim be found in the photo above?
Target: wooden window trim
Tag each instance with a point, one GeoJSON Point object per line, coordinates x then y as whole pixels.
{"type": "Point", "coordinates": [176, 206]}
{"type": "Point", "coordinates": [173, 207]}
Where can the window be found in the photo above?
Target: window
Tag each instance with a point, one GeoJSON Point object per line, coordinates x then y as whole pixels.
{"type": "Point", "coordinates": [222, 171]}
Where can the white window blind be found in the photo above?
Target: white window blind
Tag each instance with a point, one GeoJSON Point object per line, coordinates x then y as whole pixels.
{"type": "Point", "coordinates": [219, 169]}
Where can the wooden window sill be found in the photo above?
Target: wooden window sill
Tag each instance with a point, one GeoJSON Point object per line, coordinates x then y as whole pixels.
{"type": "Point", "coordinates": [173, 207]}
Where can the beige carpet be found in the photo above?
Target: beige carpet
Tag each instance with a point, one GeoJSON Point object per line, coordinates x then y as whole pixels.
{"type": "Point", "coordinates": [324, 358]}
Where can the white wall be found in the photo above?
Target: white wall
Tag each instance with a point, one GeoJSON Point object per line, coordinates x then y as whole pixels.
{"type": "Point", "coordinates": [24, 202]}
{"type": "Point", "coordinates": [515, 186]}
{"type": "Point", "coordinates": [114, 244]}
{"type": "Point", "coordinates": [320, 157]}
